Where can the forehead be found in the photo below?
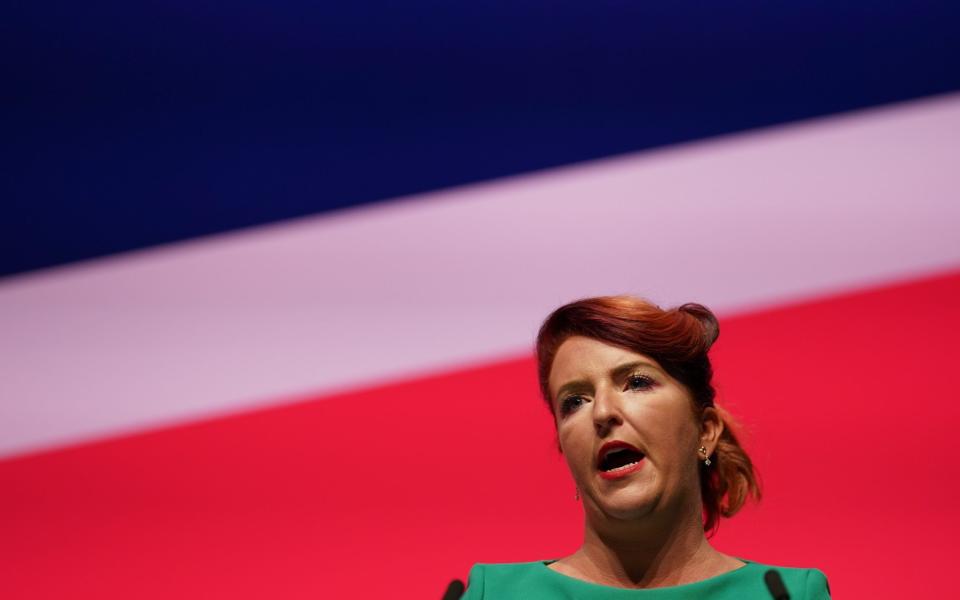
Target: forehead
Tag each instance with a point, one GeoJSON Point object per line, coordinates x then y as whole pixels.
{"type": "Point", "coordinates": [581, 357]}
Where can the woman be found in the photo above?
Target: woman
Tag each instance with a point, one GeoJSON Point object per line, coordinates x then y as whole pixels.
{"type": "Point", "coordinates": [655, 462]}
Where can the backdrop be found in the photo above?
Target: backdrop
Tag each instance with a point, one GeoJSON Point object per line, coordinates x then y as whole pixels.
{"type": "Point", "coordinates": [271, 278]}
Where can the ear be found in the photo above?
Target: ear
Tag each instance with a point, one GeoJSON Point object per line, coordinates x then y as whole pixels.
{"type": "Point", "coordinates": [711, 426]}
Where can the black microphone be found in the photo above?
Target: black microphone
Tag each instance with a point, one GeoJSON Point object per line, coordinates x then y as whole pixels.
{"type": "Point", "coordinates": [775, 585]}
{"type": "Point", "coordinates": [454, 590]}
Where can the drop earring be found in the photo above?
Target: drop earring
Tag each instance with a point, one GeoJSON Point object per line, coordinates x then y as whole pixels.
{"type": "Point", "coordinates": [706, 459]}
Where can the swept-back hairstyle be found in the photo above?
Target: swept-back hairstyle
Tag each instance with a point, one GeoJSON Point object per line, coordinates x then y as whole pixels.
{"type": "Point", "coordinates": [679, 339]}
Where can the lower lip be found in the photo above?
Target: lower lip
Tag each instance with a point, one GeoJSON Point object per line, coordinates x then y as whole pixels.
{"type": "Point", "coordinates": [623, 471]}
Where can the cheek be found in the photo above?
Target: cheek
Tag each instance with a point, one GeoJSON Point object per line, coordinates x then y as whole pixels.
{"type": "Point", "coordinates": [671, 435]}
{"type": "Point", "coordinates": [574, 448]}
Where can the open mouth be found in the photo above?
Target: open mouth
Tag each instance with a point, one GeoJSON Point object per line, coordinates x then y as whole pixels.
{"type": "Point", "coordinates": [620, 457]}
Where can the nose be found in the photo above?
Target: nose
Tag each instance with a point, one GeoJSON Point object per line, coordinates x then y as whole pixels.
{"type": "Point", "coordinates": [606, 411]}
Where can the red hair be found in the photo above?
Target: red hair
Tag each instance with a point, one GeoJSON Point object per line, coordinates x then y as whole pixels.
{"type": "Point", "coordinates": [679, 339]}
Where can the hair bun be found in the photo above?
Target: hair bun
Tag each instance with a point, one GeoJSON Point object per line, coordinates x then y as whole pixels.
{"type": "Point", "coordinates": [711, 327]}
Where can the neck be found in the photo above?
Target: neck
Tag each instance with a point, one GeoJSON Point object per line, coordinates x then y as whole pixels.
{"type": "Point", "coordinates": [654, 551]}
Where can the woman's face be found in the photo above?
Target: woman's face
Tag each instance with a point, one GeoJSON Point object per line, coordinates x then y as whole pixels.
{"type": "Point", "coordinates": [605, 396]}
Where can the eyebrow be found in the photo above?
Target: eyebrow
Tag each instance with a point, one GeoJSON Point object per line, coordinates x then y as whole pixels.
{"type": "Point", "coordinates": [615, 373]}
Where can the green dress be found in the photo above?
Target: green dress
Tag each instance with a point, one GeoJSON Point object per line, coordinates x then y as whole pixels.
{"type": "Point", "coordinates": [536, 581]}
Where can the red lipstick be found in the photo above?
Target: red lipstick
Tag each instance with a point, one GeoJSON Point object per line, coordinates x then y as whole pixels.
{"type": "Point", "coordinates": [621, 471]}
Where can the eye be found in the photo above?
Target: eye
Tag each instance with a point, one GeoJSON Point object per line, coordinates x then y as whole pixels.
{"type": "Point", "coordinates": [639, 382]}
{"type": "Point", "coordinates": [570, 404]}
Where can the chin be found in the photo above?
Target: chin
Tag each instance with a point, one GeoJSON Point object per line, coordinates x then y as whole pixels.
{"type": "Point", "coordinates": [626, 505]}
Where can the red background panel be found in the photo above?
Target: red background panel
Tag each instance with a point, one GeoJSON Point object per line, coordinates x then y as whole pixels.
{"type": "Point", "coordinates": [848, 406]}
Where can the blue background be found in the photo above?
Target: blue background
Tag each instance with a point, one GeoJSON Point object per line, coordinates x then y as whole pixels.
{"type": "Point", "coordinates": [129, 125]}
